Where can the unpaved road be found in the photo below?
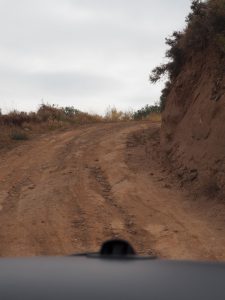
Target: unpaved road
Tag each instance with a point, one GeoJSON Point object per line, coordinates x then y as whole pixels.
{"type": "Point", "coordinates": [67, 192]}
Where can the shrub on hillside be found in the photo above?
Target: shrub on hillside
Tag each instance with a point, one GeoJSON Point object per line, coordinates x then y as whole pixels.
{"type": "Point", "coordinates": [146, 111]}
{"type": "Point", "coordinates": [70, 114]}
{"type": "Point", "coordinates": [70, 111]}
{"type": "Point", "coordinates": [114, 115]}
{"type": "Point", "coordinates": [15, 118]}
{"type": "Point", "coordinates": [18, 135]}
{"type": "Point", "coordinates": [205, 24]}
{"type": "Point", "coordinates": [50, 112]}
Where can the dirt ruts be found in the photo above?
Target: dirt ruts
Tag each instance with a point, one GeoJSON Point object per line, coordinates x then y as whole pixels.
{"type": "Point", "coordinates": [67, 192]}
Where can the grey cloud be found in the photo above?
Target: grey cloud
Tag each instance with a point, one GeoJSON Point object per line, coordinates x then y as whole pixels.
{"type": "Point", "coordinates": [99, 51]}
{"type": "Point", "coordinates": [74, 83]}
{"type": "Point", "coordinates": [61, 83]}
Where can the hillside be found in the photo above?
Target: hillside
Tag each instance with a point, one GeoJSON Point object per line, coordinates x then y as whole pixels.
{"type": "Point", "coordinates": [193, 127]}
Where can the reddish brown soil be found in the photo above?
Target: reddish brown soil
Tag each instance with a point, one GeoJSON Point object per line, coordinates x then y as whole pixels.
{"type": "Point", "coordinates": [67, 192]}
{"type": "Point", "coordinates": [193, 128]}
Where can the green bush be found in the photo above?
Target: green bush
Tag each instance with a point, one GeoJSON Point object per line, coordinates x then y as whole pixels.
{"type": "Point", "coordinates": [70, 111]}
{"type": "Point", "coordinates": [18, 135]}
{"type": "Point", "coordinates": [205, 25]}
{"type": "Point", "coordinates": [145, 111]}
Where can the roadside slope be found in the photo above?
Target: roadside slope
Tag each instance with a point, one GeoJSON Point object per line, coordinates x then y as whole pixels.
{"type": "Point", "coordinates": [193, 127]}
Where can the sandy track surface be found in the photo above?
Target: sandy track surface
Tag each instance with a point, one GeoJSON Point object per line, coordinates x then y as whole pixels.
{"type": "Point", "coordinates": [67, 192]}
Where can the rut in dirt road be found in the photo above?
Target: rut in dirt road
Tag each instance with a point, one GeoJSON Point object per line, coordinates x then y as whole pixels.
{"type": "Point", "coordinates": [68, 192]}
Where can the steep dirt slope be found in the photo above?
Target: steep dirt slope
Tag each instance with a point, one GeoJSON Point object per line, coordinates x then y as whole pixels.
{"type": "Point", "coordinates": [193, 128]}
{"type": "Point", "coordinates": [67, 192]}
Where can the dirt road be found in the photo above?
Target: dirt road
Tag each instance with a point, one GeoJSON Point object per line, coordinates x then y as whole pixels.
{"type": "Point", "coordinates": [67, 192]}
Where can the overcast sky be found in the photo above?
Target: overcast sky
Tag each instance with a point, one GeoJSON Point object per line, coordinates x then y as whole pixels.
{"type": "Point", "coordinates": [85, 53]}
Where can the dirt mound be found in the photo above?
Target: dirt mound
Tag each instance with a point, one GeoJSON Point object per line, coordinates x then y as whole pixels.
{"type": "Point", "coordinates": [193, 126]}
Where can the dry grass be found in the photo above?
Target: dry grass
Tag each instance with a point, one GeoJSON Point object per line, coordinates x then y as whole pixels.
{"type": "Point", "coordinates": [20, 126]}
{"type": "Point", "coordinates": [114, 115]}
{"type": "Point", "coordinates": [154, 117]}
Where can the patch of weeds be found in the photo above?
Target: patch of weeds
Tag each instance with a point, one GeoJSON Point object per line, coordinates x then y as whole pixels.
{"type": "Point", "coordinates": [19, 136]}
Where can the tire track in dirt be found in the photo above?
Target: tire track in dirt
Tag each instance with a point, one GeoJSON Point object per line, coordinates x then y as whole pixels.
{"type": "Point", "coordinates": [123, 223]}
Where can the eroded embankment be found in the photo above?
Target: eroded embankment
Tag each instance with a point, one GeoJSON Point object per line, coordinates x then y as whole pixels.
{"type": "Point", "coordinates": [193, 127]}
